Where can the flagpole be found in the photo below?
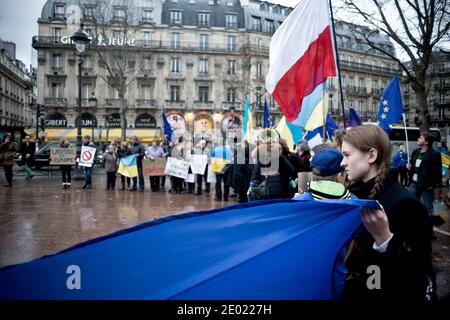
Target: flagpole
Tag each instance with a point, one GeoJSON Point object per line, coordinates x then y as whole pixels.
{"type": "Point", "coordinates": [406, 137]}
{"type": "Point", "coordinates": [338, 66]}
{"type": "Point", "coordinates": [324, 115]}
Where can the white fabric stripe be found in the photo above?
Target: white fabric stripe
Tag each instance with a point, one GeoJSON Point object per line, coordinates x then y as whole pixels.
{"type": "Point", "coordinates": [302, 27]}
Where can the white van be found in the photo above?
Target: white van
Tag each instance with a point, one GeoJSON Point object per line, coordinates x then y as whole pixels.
{"type": "Point", "coordinates": [398, 136]}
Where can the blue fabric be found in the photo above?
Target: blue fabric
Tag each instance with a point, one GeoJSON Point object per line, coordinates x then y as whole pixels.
{"type": "Point", "coordinates": [391, 106]}
{"type": "Point", "coordinates": [222, 152]}
{"type": "Point", "coordinates": [268, 120]}
{"type": "Point", "coordinates": [353, 118]}
{"type": "Point", "coordinates": [275, 249]}
{"type": "Point", "coordinates": [129, 161]}
{"type": "Point", "coordinates": [399, 160]}
{"type": "Point", "coordinates": [168, 132]}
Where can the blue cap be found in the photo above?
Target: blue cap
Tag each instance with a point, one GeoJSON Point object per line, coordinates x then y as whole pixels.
{"type": "Point", "coordinates": [326, 162]}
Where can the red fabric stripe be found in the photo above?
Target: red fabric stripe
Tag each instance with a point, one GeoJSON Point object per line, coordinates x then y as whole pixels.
{"type": "Point", "coordinates": [306, 74]}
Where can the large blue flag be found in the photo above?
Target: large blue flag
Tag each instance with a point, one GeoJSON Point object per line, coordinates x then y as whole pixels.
{"type": "Point", "coordinates": [268, 119]}
{"type": "Point", "coordinates": [353, 118]}
{"type": "Point", "coordinates": [391, 106]}
{"type": "Point", "coordinates": [168, 132]}
{"type": "Point", "coordinates": [275, 249]}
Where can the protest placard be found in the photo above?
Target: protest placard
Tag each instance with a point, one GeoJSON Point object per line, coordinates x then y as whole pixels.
{"type": "Point", "coordinates": [155, 167]}
{"type": "Point", "coordinates": [177, 168]}
{"type": "Point", "coordinates": [198, 163]}
{"type": "Point", "coordinates": [87, 156]}
{"type": "Point", "coordinates": [62, 156]}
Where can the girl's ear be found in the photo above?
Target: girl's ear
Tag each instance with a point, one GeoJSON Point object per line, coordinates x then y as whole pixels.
{"type": "Point", "coordinates": [373, 155]}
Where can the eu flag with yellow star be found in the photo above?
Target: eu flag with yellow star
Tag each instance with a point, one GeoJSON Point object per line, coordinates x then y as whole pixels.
{"type": "Point", "coordinates": [391, 106]}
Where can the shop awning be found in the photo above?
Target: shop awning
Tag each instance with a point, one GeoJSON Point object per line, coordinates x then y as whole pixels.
{"type": "Point", "coordinates": [55, 134]}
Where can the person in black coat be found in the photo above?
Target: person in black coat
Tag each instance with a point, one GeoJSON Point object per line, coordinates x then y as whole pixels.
{"type": "Point", "coordinates": [390, 257]}
{"type": "Point", "coordinates": [276, 175]}
{"type": "Point", "coordinates": [239, 174]}
{"type": "Point", "coordinates": [27, 150]}
{"type": "Point", "coordinates": [425, 171]}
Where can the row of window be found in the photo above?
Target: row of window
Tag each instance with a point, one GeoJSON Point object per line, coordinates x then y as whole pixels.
{"type": "Point", "coordinates": [13, 108]}
{"type": "Point", "coordinates": [175, 64]}
{"type": "Point", "coordinates": [269, 25]}
{"type": "Point", "coordinates": [11, 87]}
{"type": "Point", "coordinates": [350, 60]}
{"type": "Point", "coordinates": [351, 82]}
{"type": "Point", "coordinates": [203, 19]}
{"type": "Point", "coordinates": [146, 92]}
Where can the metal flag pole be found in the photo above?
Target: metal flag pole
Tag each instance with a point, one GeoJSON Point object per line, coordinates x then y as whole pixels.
{"type": "Point", "coordinates": [406, 137]}
{"type": "Point", "coordinates": [338, 68]}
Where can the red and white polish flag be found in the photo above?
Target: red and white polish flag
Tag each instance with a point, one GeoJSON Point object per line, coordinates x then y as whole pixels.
{"type": "Point", "coordinates": [301, 56]}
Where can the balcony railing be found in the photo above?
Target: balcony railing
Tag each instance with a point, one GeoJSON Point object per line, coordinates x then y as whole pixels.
{"type": "Point", "coordinates": [203, 105]}
{"type": "Point", "coordinates": [226, 105]}
{"type": "Point", "coordinates": [55, 102]}
{"type": "Point", "coordinates": [145, 103]}
{"type": "Point", "coordinates": [178, 104]}
{"type": "Point", "coordinates": [84, 103]}
{"type": "Point", "coordinates": [442, 86]}
{"type": "Point", "coordinates": [442, 102]}
{"type": "Point", "coordinates": [365, 67]}
{"type": "Point", "coordinates": [114, 102]}
{"type": "Point", "coordinates": [223, 47]}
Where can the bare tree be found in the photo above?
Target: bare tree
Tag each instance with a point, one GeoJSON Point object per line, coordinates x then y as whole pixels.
{"type": "Point", "coordinates": [114, 26]}
{"type": "Point", "coordinates": [416, 26]}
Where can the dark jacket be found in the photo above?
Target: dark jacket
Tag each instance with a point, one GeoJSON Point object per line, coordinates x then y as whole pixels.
{"type": "Point", "coordinates": [285, 170]}
{"type": "Point", "coordinates": [122, 153]}
{"type": "Point", "coordinates": [405, 265]}
{"type": "Point", "coordinates": [429, 173]}
{"type": "Point", "coordinates": [28, 149]}
{"type": "Point", "coordinates": [139, 150]}
{"type": "Point", "coordinates": [7, 153]}
{"type": "Point", "coordinates": [301, 163]}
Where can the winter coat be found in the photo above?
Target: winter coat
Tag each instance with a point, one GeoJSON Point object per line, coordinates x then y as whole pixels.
{"type": "Point", "coordinates": [429, 173]}
{"type": "Point", "coordinates": [28, 149]}
{"type": "Point", "coordinates": [406, 264]}
{"type": "Point", "coordinates": [110, 161]}
{"type": "Point", "coordinates": [7, 153]}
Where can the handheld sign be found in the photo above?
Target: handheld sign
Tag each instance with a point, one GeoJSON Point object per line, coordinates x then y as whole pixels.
{"type": "Point", "coordinates": [155, 167]}
{"type": "Point", "coordinates": [87, 156]}
{"type": "Point", "coordinates": [177, 168]}
{"type": "Point", "coordinates": [62, 156]}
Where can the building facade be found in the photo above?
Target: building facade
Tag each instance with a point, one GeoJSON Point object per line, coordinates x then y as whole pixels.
{"type": "Point", "coordinates": [438, 94]}
{"type": "Point", "coordinates": [196, 60]}
{"type": "Point", "coordinates": [365, 72]}
{"type": "Point", "coordinates": [15, 89]}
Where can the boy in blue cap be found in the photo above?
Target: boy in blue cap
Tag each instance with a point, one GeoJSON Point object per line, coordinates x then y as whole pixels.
{"type": "Point", "coordinates": [326, 166]}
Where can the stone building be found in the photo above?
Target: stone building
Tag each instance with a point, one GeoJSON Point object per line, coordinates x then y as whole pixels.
{"type": "Point", "coordinates": [196, 60]}
{"type": "Point", "coordinates": [15, 89]}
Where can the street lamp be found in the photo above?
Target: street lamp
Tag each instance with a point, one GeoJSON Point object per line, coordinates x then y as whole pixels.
{"type": "Point", "coordinates": [93, 105]}
{"type": "Point", "coordinates": [81, 40]}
